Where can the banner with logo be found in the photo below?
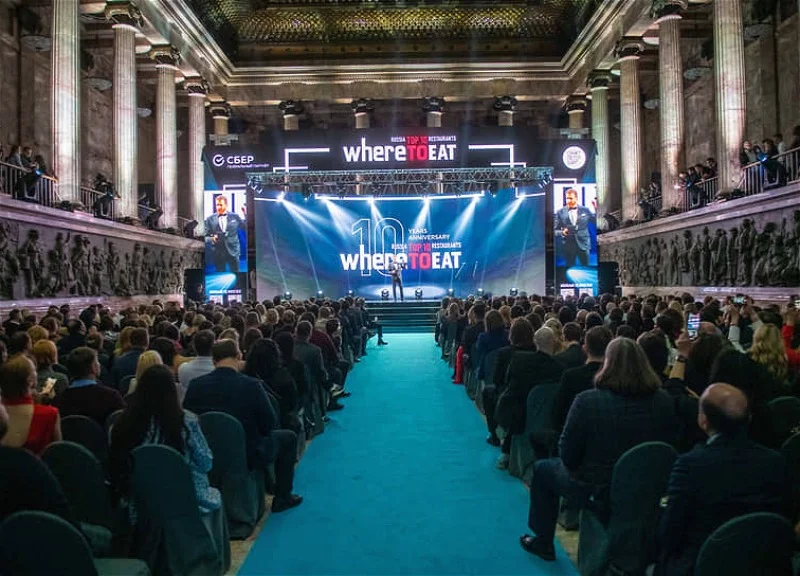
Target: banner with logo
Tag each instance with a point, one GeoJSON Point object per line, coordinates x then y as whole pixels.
{"type": "Point", "coordinates": [575, 232]}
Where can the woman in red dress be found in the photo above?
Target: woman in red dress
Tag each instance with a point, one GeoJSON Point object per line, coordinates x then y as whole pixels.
{"type": "Point", "coordinates": [30, 425]}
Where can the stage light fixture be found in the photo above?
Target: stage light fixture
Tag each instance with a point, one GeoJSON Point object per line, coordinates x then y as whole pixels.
{"type": "Point", "coordinates": [492, 188]}
{"type": "Point", "coordinates": [351, 293]}
{"type": "Point", "coordinates": [384, 294]}
{"type": "Point", "coordinates": [320, 294]}
{"type": "Point", "coordinates": [451, 292]}
{"type": "Point", "coordinates": [418, 293]}
{"type": "Point", "coordinates": [513, 292]}
{"type": "Point", "coordinates": [287, 295]}
{"type": "Point", "coordinates": [481, 292]}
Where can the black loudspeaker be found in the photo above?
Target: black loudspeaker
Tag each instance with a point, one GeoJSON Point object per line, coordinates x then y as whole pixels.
{"type": "Point", "coordinates": [607, 277]}
{"type": "Point", "coordinates": [194, 289]}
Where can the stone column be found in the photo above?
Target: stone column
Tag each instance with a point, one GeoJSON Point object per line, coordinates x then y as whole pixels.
{"type": "Point", "coordinates": [601, 132]}
{"type": "Point", "coordinates": [434, 108]}
{"type": "Point", "coordinates": [628, 51]}
{"type": "Point", "coordinates": [167, 59]}
{"type": "Point", "coordinates": [126, 20]}
{"type": "Point", "coordinates": [361, 109]}
{"type": "Point", "coordinates": [66, 94]}
{"type": "Point", "coordinates": [576, 107]}
{"type": "Point", "coordinates": [729, 79]}
{"type": "Point", "coordinates": [221, 114]}
{"type": "Point", "coordinates": [505, 107]}
{"type": "Point", "coordinates": [670, 63]}
{"type": "Point", "coordinates": [291, 114]}
{"type": "Point", "coordinates": [197, 89]}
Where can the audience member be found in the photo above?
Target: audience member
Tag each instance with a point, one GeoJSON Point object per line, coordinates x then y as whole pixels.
{"type": "Point", "coordinates": [572, 355]}
{"type": "Point", "coordinates": [125, 364]}
{"type": "Point", "coordinates": [85, 395]}
{"type": "Point", "coordinates": [146, 359]}
{"type": "Point", "coordinates": [46, 356]}
{"type": "Point", "coordinates": [202, 364]}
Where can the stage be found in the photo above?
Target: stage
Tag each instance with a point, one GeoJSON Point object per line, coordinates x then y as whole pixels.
{"type": "Point", "coordinates": [409, 316]}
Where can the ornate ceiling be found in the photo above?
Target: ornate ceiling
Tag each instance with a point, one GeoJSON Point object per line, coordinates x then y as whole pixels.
{"type": "Point", "coordinates": [260, 31]}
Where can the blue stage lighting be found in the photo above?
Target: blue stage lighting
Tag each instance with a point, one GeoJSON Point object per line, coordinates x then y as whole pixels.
{"type": "Point", "coordinates": [351, 293]}
{"type": "Point", "coordinates": [287, 295]}
{"type": "Point", "coordinates": [418, 293]}
{"type": "Point", "coordinates": [320, 294]}
{"type": "Point", "coordinates": [513, 292]}
{"type": "Point", "coordinates": [384, 294]}
{"type": "Point", "coordinates": [451, 292]}
{"type": "Point", "coordinates": [481, 292]}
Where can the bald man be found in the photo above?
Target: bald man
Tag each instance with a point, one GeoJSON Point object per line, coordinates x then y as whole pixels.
{"type": "Point", "coordinates": [728, 476]}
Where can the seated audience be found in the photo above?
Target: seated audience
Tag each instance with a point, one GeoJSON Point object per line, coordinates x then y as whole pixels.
{"type": "Point", "coordinates": [125, 364]}
{"type": "Point", "coordinates": [46, 356]}
{"type": "Point", "coordinates": [297, 370]}
{"type": "Point", "coordinates": [147, 359]}
{"type": "Point", "coordinates": [244, 398]}
{"type": "Point", "coordinates": [155, 416]}
{"type": "Point", "coordinates": [264, 363]}
{"type": "Point", "coordinates": [85, 395]}
{"type": "Point", "coordinates": [627, 407]}
{"type": "Point", "coordinates": [572, 355]}
{"type": "Point", "coordinates": [200, 365]}
{"type": "Point", "coordinates": [32, 426]}
{"type": "Point", "coordinates": [493, 338]}
{"type": "Point", "coordinates": [728, 476]}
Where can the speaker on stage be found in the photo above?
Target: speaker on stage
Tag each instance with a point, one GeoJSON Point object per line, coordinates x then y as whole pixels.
{"type": "Point", "coordinates": [608, 277]}
{"type": "Point", "coordinates": [194, 289]}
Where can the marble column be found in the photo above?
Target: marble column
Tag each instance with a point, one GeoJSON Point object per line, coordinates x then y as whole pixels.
{"type": "Point", "coordinates": [576, 109]}
{"type": "Point", "coordinates": [671, 106]}
{"type": "Point", "coordinates": [628, 52]}
{"type": "Point", "coordinates": [197, 89]}
{"type": "Point", "coordinates": [221, 114]}
{"type": "Point", "coordinates": [505, 107]}
{"type": "Point", "coordinates": [434, 108]}
{"type": "Point", "coordinates": [292, 110]}
{"type": "Point", "coordinates": [731, 91]}
{"type": "Point", "coordinates": [601, 133]}
{"type": "Point", "coordinates": [126, 20]}
{"type": "Point", "coordinates": [65, 96]}
{"type": "Point", "coordinates": [361, 109]}
{"type": "Point", "coordinates": [167, 59]}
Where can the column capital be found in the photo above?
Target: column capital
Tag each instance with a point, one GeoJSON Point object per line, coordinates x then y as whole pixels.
{"type": "Point", "coordinates": [196, 87]}
{"type": "Point", "coordinates": [433, 104]}
{"type": "Point", "coordinates": [291, 107]}
{"type": "Point", "coordinates": [165, 56]}
{"type": "Point", "coordinates": [124, 14]}
{"type": "Point", "coordinates": [629, 48]}
{"type": "Point", "coordinates": [667, 9]}
{"type": "Point", "coordinates": [362, 105]}
{"type": "Point", "coordinates": [505, 104]}
{"type": "Point", "coordinates": [576, 103]}
{"type": "Point", "coordinates": [599, 80]}
{"type": "Point", "coordinates": [220, 110]}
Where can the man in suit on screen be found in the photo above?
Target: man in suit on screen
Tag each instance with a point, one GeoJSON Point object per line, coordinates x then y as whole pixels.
{"type": "Point", "coordinates": [222, 236]}
{"type": "Point", "coordinates": [572, 222]}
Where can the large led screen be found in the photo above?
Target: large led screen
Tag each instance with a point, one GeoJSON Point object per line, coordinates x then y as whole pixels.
{"type": "Point", "coordinates": [434, 244]}
{"type": "Point", "coordinates": [575, 223]}
{"type": "Point", "coordinates": [226, 245]}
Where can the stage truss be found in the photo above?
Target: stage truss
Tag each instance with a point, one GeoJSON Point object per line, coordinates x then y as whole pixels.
{"type": "Point", "coordinates": [406, 181]}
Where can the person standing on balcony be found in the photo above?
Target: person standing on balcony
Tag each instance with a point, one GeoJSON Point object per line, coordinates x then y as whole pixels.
{"type": "Point", "coordinates": [15, 157]}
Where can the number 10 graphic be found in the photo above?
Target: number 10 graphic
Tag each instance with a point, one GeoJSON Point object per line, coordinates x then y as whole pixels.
{"type": "Point", "coordinates": [388, 232]}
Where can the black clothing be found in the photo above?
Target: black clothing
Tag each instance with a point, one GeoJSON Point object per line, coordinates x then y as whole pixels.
{"type": "Point", "coordinates": [573, 382]}
{"type": "Point", "coordinates": [572, 357]}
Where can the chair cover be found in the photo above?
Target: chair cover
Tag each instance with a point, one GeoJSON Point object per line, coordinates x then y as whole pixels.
{"type": "Point", "coordinates": [88, 433]}
{"type": "Point", "coordinates": [125, 384]}
{"type": "Point", "coordinates": [791, 451]}
{"type": "Point", "coordinates": [626, 544]}
{"type": "Point", "coordinates": [471, 383]}
{"type": "Point", "coordinates": [538, 418]}
{"type": "Point", "coordinates": [170, 534]}
{"type": "Point", "coordinates": [448, 348]}
{"type": "Point", "coordinates": [112, 418]}
{"type": "Point", "coordinates": [242, 489]}
{"type": "Point", "coordinates": [41, 544]}
{"type": "Point", "coordinates": [759, 544]}
{"type": "Point", "coordinates": [785, 417]}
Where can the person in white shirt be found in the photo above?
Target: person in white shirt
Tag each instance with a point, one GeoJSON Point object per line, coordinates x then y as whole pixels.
{"type": "Point", "coordinates": [202, 364]}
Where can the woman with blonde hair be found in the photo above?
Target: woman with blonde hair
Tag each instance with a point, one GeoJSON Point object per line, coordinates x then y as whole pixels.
{"type": "Point", "coordinates": [558, 331]}
{"type": "Point", "coordinates": [147, 359]}
{"type": "Point", "coordinates": [123, 342]}
{"type": "Point", "coordinates": [768, 349]}
{"type": "Point", "coordinates": [505, 312]}
{"type": "Point", "coordinates": [45, 355]}
{"type": "Point", "coordinates": [38, 333]}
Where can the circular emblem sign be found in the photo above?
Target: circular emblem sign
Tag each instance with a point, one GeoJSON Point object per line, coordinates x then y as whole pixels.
{"type": "Point", "coordinates": [218, 160]}
{"type": "Point", "coordinates": [574, 158]}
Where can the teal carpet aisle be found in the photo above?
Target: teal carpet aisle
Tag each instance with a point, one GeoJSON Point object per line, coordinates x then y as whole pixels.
{"type": "Point", "coordinates": [402, 482]}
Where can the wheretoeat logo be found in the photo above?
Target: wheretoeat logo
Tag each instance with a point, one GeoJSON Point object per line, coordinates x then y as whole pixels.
{"type": "Point", "coordinates": [404, 149]}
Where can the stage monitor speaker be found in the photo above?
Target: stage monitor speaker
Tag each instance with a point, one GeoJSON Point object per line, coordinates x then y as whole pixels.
{"type": "Point", "coordinates": [194, 289]}
{"type": "Point", "coordinates": [607, 277]}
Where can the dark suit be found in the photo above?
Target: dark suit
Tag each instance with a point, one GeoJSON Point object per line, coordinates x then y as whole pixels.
{"type": "Point", "coordinates": [526, 369]}
{"type": "Point", "coordinates": [125, 365]}
{"type": "Point", "coordinates": [717, 481]}
{"type": "Point", "coordinates": [573, 382]}
{"type": "Point", "coordinates": [470, 338]}
{"type": "Point", "coordinates": [311, 357]}
{"type": "Point", "coordinates": [227, 249]}
{"type": "Point", "coordinates": [601, 426]}
{"type": "Point", "coordinates": [576, 242]}
{"type": "Point", "coordinates": [244, 398]}
{"type": "Point", "coordinates": [572, 357]}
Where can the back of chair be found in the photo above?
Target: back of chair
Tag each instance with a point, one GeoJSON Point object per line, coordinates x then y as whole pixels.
{"type": "Point", "coordinates": [162, 483]}
{"type": "Point", "coordinates": [225, 437]}
{"type": "Point", "coordinates": [489, 367]}
{"type": "Point", "coordinates": [111, 420]}
{"type": "Point", "coordinates": [759, 544]}
{"type": "Point", "coordinates": [82, 480]}
{"type": "Point", "coordinates": [785, 417]}
{"type": "Point", "coordinates": [638, 483]}
{"type": "Point", "coordinates": [87, 433]}
{"type": "Point", "coordinates": [791, 451]}
{"type": "Point", "coordinates": [539, 426]}
{"type": "Point", "coordinates": [125, 384]}
{"type": "Point", "coordinates": [39, 543]}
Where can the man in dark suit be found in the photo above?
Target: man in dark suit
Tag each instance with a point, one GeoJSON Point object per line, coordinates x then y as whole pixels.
{"type": "Point", "coordinates": [310, 356]}
{"type": "Point", "coordinates": [396, 272]}
{"type": "Point", "coordinates": [572, 223]}
{"type": "Point", "coordinates": [85, 395]}
{"type": "Point", "coordinates": [573, 355]}
{"type": "Point", "coordinates": [222, 233]}
{"type": "Point", "coordinates": [244, 398]}
{"type": "Point", "coordinates": [126, 364]}
{"type": "Point", "coordinates": [728, 476]}
{"type": "Point", "coordinates": [576, 380]}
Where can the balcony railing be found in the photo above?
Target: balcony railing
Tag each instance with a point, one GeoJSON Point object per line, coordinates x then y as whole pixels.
{"type": "Point", "coordinates": [25, 185]}
{"type": "Point", "coordinates": [97, 203]}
